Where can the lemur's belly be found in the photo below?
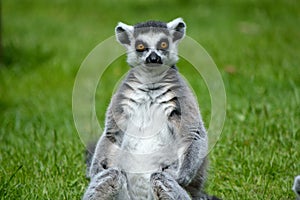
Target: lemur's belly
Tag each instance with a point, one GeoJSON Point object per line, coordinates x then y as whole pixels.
{"type": "Point", "coordinates": [146, 145]}
{"type": "Point", "coordinates": [147, 129]}
{"type": "Point", "coordinates": [146, 137]}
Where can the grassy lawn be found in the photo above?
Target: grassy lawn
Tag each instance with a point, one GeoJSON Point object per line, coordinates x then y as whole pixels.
{"type": "Point", "coordinates": [255, 45]}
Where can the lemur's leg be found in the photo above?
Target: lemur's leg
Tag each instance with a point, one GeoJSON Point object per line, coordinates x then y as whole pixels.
{"type": "Point", "coordinates": [165, 187]}
{"type": "Point", "coordinates": [105, 185]}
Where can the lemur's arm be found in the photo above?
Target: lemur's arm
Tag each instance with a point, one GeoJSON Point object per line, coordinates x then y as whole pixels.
{"type": "Point", "coordinates": [193, 156]}
{"type": "Point", "coordinates": [106, 146]}
{"type": "Point", "coordinates": [100, 160]}
{"type": "Point", "coordinates": [192, 138]}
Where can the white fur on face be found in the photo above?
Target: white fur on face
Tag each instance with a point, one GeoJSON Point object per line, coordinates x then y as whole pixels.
{"type": "Point", "coordinates": [151, 39]}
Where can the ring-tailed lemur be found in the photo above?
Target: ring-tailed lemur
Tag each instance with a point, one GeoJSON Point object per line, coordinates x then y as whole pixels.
{"type": "Point", "coordinates": [296, 187]}
{"type": "Point", "coordinates": [154, 145]}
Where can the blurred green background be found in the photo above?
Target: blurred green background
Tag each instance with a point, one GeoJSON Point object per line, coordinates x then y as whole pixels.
{"type": "Point", "coordinates": [254, 43]}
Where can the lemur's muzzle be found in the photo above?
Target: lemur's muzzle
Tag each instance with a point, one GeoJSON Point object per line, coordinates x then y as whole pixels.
{"type": "Point", "coordinates": [153, 58]}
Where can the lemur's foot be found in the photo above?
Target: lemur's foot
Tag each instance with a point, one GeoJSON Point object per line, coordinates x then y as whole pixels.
{"type": "Point", "coordinates": [105, 185]}
{"type": "Point", "coordinates": [164, 187]}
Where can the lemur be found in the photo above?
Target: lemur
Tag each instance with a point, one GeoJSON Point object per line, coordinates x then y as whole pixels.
{"type": "Point", "coordinates": [154, 145]}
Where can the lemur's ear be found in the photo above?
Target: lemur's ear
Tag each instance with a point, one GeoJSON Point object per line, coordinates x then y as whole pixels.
{"type": "Point", "coordinates": [177, 29]}
{"type": "Point", "coordinates": [124, 33]}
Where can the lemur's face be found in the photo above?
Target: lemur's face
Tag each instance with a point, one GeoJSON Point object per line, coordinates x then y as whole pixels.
{"type": "Point", "coordinates": [151, 43]}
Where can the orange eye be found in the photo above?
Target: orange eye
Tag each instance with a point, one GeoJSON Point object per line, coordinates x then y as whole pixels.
{"type": "Point", "coordinates": [164, 45]}
{"type": "Point", "coordinates": [140, 47]}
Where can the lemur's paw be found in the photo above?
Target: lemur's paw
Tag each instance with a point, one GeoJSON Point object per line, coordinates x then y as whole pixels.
{"type": "Point", "coordinates": [170, 169]}
{"type": "Point", "coordinates": [164, 186]}
{"type": "Point", "coordinates": [162, 181]}
{"type": "Point", "coordinates": [156, 176]}
{"type": "Point", "coordinates": [111, 179]}
{"type": "Point", "coordinates": [161, 186]}
{"type": "Point", "coordinates": [184, 180]}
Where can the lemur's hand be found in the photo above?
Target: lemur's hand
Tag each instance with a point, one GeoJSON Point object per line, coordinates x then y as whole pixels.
{"type": "Point", "coordinates": [184, 179]}
{"type": "Point", "coordinates": [171, 169]}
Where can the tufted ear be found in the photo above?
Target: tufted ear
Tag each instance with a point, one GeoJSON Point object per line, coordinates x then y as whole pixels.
{"type": "Point", "coordinates": [124, 33]}
{"type": "Point", "coordinates": [177, 29]}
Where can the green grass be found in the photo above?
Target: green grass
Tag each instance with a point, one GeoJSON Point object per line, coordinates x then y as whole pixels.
{"type": "Point", "coordinates": [257, 157]}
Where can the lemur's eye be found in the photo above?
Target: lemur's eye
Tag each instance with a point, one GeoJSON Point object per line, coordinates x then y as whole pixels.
{"type": "Point", "coordinates": [140, 47]}
{"type": "Point", "coordinates": [163, 45]}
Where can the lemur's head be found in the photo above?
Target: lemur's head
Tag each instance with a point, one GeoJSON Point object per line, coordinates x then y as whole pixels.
{"type": "Point", "coordinates": [151, 43]}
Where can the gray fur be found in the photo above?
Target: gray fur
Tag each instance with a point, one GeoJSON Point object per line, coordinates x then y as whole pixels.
{"type": "Point", "coordinates": [154, 145]}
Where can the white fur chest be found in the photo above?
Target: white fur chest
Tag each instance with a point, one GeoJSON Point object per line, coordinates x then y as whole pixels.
{"type": "Point", "coordinates": [147, 125]}
{"type": "Point", "coordinates": [147, 136]}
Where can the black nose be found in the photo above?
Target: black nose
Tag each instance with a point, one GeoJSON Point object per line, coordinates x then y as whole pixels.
{"type": "Point", "coordinates": [153, 58]}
